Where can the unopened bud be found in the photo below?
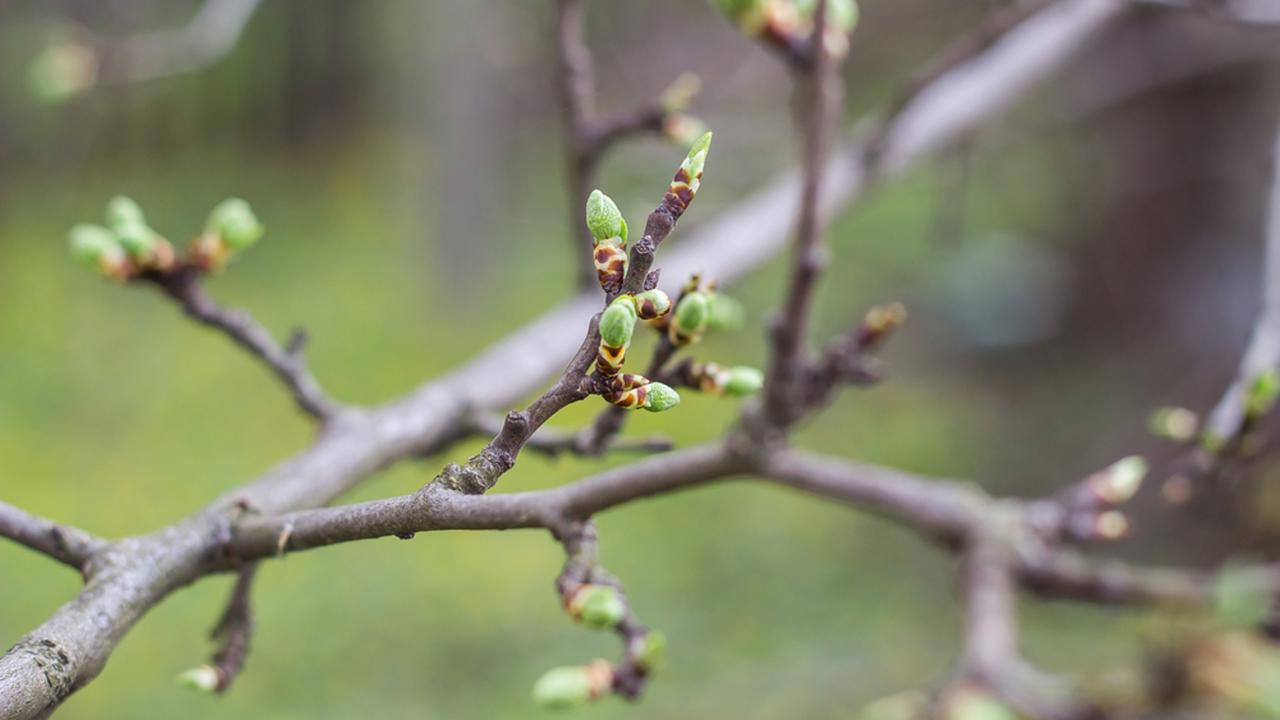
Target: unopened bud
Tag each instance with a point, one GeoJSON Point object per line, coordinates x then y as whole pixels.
{"type": "Point", "coordinates": [1174, 423]}
{"type": "Point", "coordinates": [692, 312]}
{"type": "Point", "coordinates": [97, 247]}
{"type": "Point", "coordinates": [682, 129]}
{"type": "Point", "coordinates": [564, 688]}
{"type": "Point", "coordinates": [724, 313]}
{"type": "Point", "coordinates": [604, 219]}
{"type": "Point", "coordinates": [742, 380]}
{"type": "Point", "coordinates": [660, 397]}
{"type": "Point", "coordinates": [1121, 480]}
{"type": "Point", "coordinates": [234, 221]}
{"type": "Point", "coordinates": [696, 160]}
{"type": "Point", "coordinates": [597, 606]}
{"type": "Point", "coordinates": [618, 322]}
{"type": "Point", "coordinates": [652, 650]}
{"type": "Point", "coordinates": [204, 678]}
{"type": "Point", "coordinates": [652, 304]}
{"type": "Point", "coordinates": [1263, 392]}
{"type": "Point", "coordinates": [122, 211]}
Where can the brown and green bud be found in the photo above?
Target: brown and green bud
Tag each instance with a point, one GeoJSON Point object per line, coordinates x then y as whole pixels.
{"type": "Point", "coordinates": [604, 219]}
{"type": "Point", "coordinates": [682, 128]}
{"type": "Point", "coordinates": [205, 679]}
{"type": "Point", "coordinates": [565, 688]}
{"type": "Point", "coordinates": [235, 223]}
{"type": "Point", "coordinates": [98, 248]}
{"type": "Point", "coordinates": [690, 319]}
{"type": "Point", "coordinates": [597, 606]}
{"type": "Point", "coordinates": [1173, 423]}
{"type": "Point", "coordinates": [652, 304]}
{"type": "Point", "coordinates": [144, 245]}
{"type": "Point", "coordinates": [660, 397]}
{"type": "Point", "coordinates": [618, 322]}
{"type": "Point", "coordinates": [688, 178]}
{"type": "Point", "coordinates": [1120, 481]}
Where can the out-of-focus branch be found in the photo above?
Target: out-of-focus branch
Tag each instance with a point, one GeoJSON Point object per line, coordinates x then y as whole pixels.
{"type": "Point", "coordinates": [69, 545]}
{"type": "Point", "coordinates": [788, 353]}
{"type": "Point", "coordinates": [1263, 352]}
{"type": "Point", "coordinates": [183, 285]}
{"type": "Point", "coordinates": [553, 442]}
{"type": "Point", "coordinates": [210, 36]}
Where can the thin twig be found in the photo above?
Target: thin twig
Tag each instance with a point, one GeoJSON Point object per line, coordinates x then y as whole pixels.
{"type": "Point", "coordinates": [183, 285]}
{"type": "Point", "coordinates": [69, 545]}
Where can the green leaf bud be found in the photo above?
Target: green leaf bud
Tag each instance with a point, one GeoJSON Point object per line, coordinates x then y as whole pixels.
{"type": "Point", "coordinates": [1121, 480]}
{"type": "Point", "coordinates": [233, 220]}
{"type": "Point", "coordinates": [742, 381]}
{"type": "Point", "coordinates": [204, 678]}
{"type": "Point", "coordinates": [652, 650]}
{"type": "Point", "coordinates": [122, 211]}
{"type": "Point", "coordinates": [618, 322]}
{"type": "Point", "coordinates": [725, 313]}
{"type": "Point", "coordinates": [136, 238]}
{"type": "Point", "coordinates": [692, 312]}
{"type": "Point", "coordinates": [697, 159]}
{"type": "Point", "coordinates": [604, 219]}
{"type": "Point", "coordinates": [597, 606]}
{"type": "Point", "coordinates": [660, 397]}
{"type": "Point", "coordinates": [1173, 423]}
{"type": "Point", "coordinates": [1263, 392]}
{"type": "Point", "coordinates": [95, 246]}
{"type": "Point", "coordinates": [563, 688]}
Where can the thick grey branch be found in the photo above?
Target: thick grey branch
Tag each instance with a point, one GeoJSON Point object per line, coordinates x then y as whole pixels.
{"type": "Point", "coordinates": [63, 543]}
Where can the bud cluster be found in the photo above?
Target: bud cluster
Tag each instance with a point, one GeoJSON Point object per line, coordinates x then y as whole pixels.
{"type": "Point", "coordinates": [737, 381]}
{"type": "Point", "coordinates": [127, 246]}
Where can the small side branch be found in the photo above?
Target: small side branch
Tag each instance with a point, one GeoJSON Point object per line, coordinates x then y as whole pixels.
{"type": "Point", "coordinates": [68, 545]}
{"type": "Point", "coordinates": [183, 285]}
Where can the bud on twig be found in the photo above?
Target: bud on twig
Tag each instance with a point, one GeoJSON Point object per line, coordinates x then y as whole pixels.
{"type": "Point", "coordinates": [1173, 423]}
{"type": "Point", "coordinates": [651, 650]}
{"type": "Point", "coordinates": [690, 318]}
{"type": "Point", "coordinates": [688, 178]}
{"type": "Point", "coordinates": [652, 304]}
{"type": "Point", "coordinates": [597, 606]}
{"type": "Point", "coordinates": [1120, 481]}
{"type": "Point", "coordinates": [638, 392]}
{"type": "Point", "coordinates": [204, 678]}
{"type": "Point", "coordinates": [98, 248]}
{"type": "Point", "coordinates": [143, 244]}
{"type": "Point", "coordinates": [234, 221]}
{"type": "Point", "coordinates": [1262, 393]}
{"type": "Point", "coordinates": [609, 235]}
{"type": "Point", "coordinates": [564, 688]}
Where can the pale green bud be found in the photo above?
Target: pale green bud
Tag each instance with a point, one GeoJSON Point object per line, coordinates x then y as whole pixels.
{"type": "Point", "coordinates": [604, 219]}
{"type": "Point", "coordinates": [136, 238]}
{"type": "Point", "coordinates": [743, 381]}
{"type": "Point", "coordinates": [725, 313]}
{"type": "Point", "coordinates": [697, 159]}
{"type": "Point", "coordinates": [201, 679]}
{"type": "Point", "coordinates": [660, 397]}
{"type": "Point", "coordinates": [1263, 393]}
{"type": "Point", "coordinates": [692, 312]}
{"type": "Point", "coordinates": [95, 246]}
{"type": "Point", "coordinates": [563, 688]}
{"type": "Point", "coordinates": [1174, 423]}
{"type": "Point", "coordinates": [618, 322]}
{"type": "Point", "coordinates": [233, 220]}
{"type": "Point", "coordinates": [652, 650]}
{"type": "Point", "coordinates": [598, 606]}
{"type": "Point", "coordinates": [652, 304]}
{"type": "Point", "coordinates": [1121, 480]}
{"type": "Point", "coordinates": [123, 211]}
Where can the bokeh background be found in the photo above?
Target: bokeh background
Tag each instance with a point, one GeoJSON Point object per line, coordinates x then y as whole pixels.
{"type": "Point", "coordinates": [1086, 258]}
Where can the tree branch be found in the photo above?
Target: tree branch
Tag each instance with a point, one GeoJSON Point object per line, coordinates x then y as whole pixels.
{"type": "Point", "coordinates": [68, 545]}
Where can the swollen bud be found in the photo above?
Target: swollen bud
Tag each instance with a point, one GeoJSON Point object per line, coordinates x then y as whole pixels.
{"type": "Point", "coordinates": [652, 304]}
{"type": "Point", "coordinates": [692, 312]}
{"type": "Point", "coordinates": [618, 322]}
{"type": "Point", "coordinates": [597, 606]}
{"type": "Point", "coordinates": [564, 688]}
{"type": "Point", "coordinates": [204, 678]}
{"type": "Point", "coordinates": [697, 160]}
{"type": "Point", "coordinates": [122, 212]}
{"type": "Point", "coordinates": [97, 247]}
{"type": "Point", "coordinates": [660, 397]}
{"type": "Point", "coordinates": [233, 220]}
{"type": "Point", "coordinates": [742, 380]}
{"type": "Point", "coordinates": [1121, 480]}
{"type": "Point", "coordinates": [1173, 423]}
{"type": "Point", "coordinates": [725, 313]}
{"type": "Point", "coordinates": [604, 219]}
